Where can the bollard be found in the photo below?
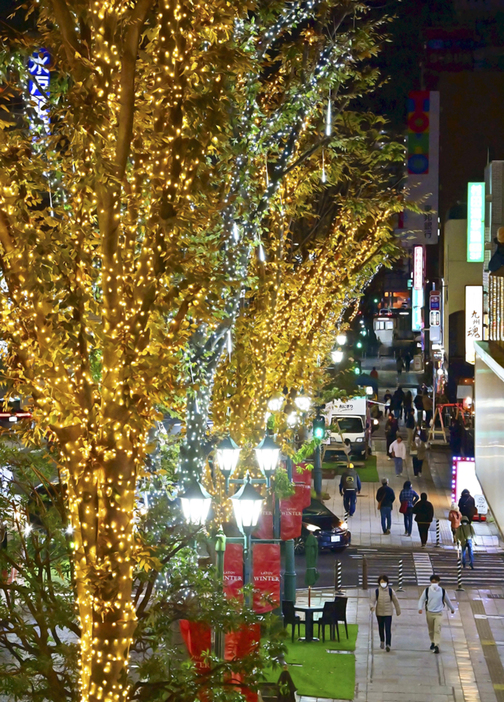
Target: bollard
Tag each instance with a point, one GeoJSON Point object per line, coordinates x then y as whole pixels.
{"type": "Point", "coordinates": [438, 533]}
{"type": "Point", "coordinates": [400, 576]}
{"type": "Point", "coordinates": [459, 574]}
{"type": "Point", "coordinates": [338, 577]}
{"type": "Point", "coordinates": [345, 516]}
{"type": "Point", "coordinates": [364, 574]}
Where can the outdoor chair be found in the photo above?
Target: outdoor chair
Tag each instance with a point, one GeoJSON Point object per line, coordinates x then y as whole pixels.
{"type": "Point", "coordinates": [340, 612]}
{"type": "Point", "coordinates": [329, 619]}
{"type": "Point", "coordinates": [290, 617]}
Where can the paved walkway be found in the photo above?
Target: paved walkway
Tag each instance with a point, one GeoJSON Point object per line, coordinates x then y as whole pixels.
{"type": "Point", "coordinates": [470, 665]}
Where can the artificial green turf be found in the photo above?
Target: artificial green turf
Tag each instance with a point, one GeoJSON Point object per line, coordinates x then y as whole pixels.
{"type": "Point", "coordinates": [317, 673]}
{"type": "Point", "coordinates": [367, 470]}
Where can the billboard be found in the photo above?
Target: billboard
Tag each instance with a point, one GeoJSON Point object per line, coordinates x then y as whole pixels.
{"type": "Point", "coordinates": [473, 319]}
{"type": "Point", "coordinates": [423, 165]}
{"type": "Point", "coordinates": [475, 222]}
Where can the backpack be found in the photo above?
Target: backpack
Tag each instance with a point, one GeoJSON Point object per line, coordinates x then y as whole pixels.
{"type": "Point", "coordinates": [427, 596]}
{"type": "Point", "coordinates": [349, 482]}
{"type": "Point", "coordinates": [389, 592]}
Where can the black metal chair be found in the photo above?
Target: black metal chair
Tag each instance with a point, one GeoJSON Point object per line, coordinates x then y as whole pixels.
{"type": "Point", "coordinates": [329, 619]}
{"type": "Point", "coordinates": [290, 617]}
{"type": "Point", "coordinates": [340, 612]}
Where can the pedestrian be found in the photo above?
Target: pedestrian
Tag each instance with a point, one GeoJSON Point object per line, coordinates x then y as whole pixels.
{"type": "Point", "coordinates": [383, 602]}
{"type": "Point", "coordinates": [467, 505]}
{"type": "Point", "coordinates": [427, 406]}
{"type": "Point", "coordinates": [418, 402]}
{"type": "Point", "coordinates": [386, 401]}
{"type": "Point", "coordinates": [391, 429]}
{"type": "Point", "coordinates": [454, 517]}
{"type": "Point", "coordinates": [349, 487]}
{"type": "Point", "coordinates": [407, 401]}
{"type": "Point", "coordinates": [374, 373]}
{"type": "Point", "coordinates": [396, 405]}
{"type": "Point", "coordinates": [409, 422]}
{"type": "Point", "coordinates": [407, 361]}
{"type": "Point", "coordinates": [465, 536]}
{"type": "Point", "coordinates": [421, 452]}
{"type": "Point", "coordinates": [408, 499]}
{"type": "Point", "coordinates": [455, 437]}
{"type": "Point", "coordinates": [434, 599]}
{"type": "Point", "coordinates": [424, 514]}
{"type": "Point", "coordinates": [399, 364]}
{"type": "Point", "coordinates": [398, 451]}
{"type": "Point", "coordinates": [385, 497]}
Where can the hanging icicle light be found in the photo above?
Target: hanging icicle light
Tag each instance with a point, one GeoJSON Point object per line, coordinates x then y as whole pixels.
{"type": "Point", "coordinates": [260, 253]}
{"type": "Point", "coordinates": [328, 129]}
{"type": "Point", "coordinates": [323, 168]}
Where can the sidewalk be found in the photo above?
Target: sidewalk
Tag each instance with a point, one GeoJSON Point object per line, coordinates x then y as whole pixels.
{"type": "Point", "coordinates": [470, 665]}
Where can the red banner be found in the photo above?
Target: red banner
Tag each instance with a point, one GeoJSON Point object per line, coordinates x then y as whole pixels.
{"type": "Point", "coordinates": [266, 576]}
{"type": "Point", "coordinates": [198, 639]}
{"type": "Point", "coordinates": [291, 511]}
{"type": "Point", "coordinates": [304, 478]}
{"type": "Point", "coordinates": [265, 524]}
{"type": "Point", "coordinates": [233, 571]}
{"type": "Point", "coordinates": [239, 644]}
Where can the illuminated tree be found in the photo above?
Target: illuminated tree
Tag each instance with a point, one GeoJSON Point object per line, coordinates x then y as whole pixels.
{"type": "Point", "coordinates": [132, 196]}
{"type": "Point", "coordinates": [326, 239]}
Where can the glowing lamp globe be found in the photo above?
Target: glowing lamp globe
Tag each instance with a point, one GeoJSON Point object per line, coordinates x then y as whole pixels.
{"type": "Point", "coordinates": [275, 404]}
{"type": "Point", "coordinates": [303, 403]}
{"type": "Point", "coordinates": [369, 390]}
{"type": "Point", "coordinates": [247, 505]}
{"type": "Point", "coordinates": [228, 455]}
{"type": "Point", "coordinates": [267, 454]}
{"type": "Point", "coordinates": [195, 502]}
{"type": "Point", "coordinates": [341, 339]}
{"type": "Point", "coordinates": [292, 420]}
{"type": "Point", "coordinates": [337, 356]}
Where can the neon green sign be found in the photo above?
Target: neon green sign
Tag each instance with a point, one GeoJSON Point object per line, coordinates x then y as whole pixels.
{"type": "Point", "coordinates": [476, 222]}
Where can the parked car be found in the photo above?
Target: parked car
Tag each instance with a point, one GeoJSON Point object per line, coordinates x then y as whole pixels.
{"type": "Point", "coordinates": [330, 531]}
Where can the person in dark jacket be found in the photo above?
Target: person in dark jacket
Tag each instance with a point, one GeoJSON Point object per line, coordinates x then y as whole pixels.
{"type": "Point", "coordinates": [391, 429]}
{"type": "Point", "coordinates": [410, 498]}
{"type": "Point", "coordinates": [349, 486]}
{"type": "Point", "coordinates": [418, 402]}
{"type": "Point", "coordinates": [424, 514]}
{"type": "Point", "coordinates": [386, 399]}
{"type": "Point", "coordinates": [467, 505]}
{"type": "Point", "coordinates": [385, 497]}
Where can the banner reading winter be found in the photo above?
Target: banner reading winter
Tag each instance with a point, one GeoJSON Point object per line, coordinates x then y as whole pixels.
{"type": "Point", "coordinates": [303, 478]}
{"type": "Point", "coordinates": [265, 524]}
{"type": "Point", "coordinates": [266, 576]}
{"type": "Point", "coordinates": [291, 511]}
{"type": "Point", "coordinates": [198, 639]}
{"type": "Point", "coordinates": [233, 570]}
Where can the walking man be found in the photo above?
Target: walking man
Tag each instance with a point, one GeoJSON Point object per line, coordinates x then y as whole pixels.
{"type": "Point", "coordinates": [385, 497]}
{"type": "Point", "coordinates": [464, 534]}
{"type": "Point", "coordinates": [398, 451]}
{"type": "Point", "coordinates": [434, 598]}
{"type": "Point", "coordinates": [349, 486]}
{"type": "Point", "coordinates": [424, 514]}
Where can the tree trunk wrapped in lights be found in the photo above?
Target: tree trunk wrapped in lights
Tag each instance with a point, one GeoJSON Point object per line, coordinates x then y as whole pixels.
{"type": "Point", "coordinates": [132, 195]}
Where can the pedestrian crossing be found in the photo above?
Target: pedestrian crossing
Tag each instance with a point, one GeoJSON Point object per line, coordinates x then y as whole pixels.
{"type": "Point", "coordinates": [417, 567]}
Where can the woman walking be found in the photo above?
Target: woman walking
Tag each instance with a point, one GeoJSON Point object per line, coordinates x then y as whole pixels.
{"type": "Point", "coordinates": [424, 514]}
{"type": "Point", "coordinates": [383, 601]}
{"type": "Point", "coordinates": [408, 499]}
{"type": "Point", "coordinates": [421, 451]}
{"type": "Point", "coordinates": [454, 517]}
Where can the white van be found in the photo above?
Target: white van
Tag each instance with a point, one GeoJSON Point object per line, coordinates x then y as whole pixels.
{"type": "Point", "coordinates": [347, 420]}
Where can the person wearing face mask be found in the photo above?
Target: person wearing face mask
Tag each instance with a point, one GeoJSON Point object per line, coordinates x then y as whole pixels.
{"type": "Point", "coordinates": [434, 598]}
{"type": "Point", "coordinates": [383, 602]}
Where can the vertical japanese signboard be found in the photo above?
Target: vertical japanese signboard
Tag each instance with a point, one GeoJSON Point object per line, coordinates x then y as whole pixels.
{"type": "Point", "coordinates": [423, 165]}
{"type": "Point", "coordinates": [476, 222]}
{"type": "Point", "coordinates": [418, 288]}
{"type": "Point", "coordinates": [473, 319]}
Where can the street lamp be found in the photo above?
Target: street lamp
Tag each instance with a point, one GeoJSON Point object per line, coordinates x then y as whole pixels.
{"type": "Point", "coordinates": [341, 339]}
{"type": "Point", "coordinates": [267, 454]}
{"type": "Point", "coordinates": [195, 502]}
{"type": "Point", "coordinates": [337, 355]}
{"type": "Point", "coordinates": [292, 420]}
{"type": "Point", "coordinates": [228, 455]}
{"type": "Point", "coordinates": [303, 403]}
{"type": "Point", "coordinates": [275, 404]}
{"type": "Point", "coordinates": [247, 505]}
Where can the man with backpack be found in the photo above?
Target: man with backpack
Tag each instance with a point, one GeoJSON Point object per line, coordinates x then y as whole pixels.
{"type": "Point", "coordinates": [434, 598]}
{"type": "Point", "coordinates": [349, 486]}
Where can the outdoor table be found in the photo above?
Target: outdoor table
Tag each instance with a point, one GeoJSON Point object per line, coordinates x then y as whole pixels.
{"type": "Point", "coordinates": [309, 611]}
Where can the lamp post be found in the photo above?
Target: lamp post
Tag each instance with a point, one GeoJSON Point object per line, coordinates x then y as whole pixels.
{"type": "Point", "coordinates": [195, 501]}
{"type": "Point", "coordinates": [267, 454]}
{"type": "Point", "coordinates": [228, 455]}
{"type": "Point", "coordinates": [337, 355]}
{"type": "Point", "coordinates": [247, 505]}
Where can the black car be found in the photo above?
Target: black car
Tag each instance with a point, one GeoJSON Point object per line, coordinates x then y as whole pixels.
{"type": "Point", "coordinates": [330, 531]}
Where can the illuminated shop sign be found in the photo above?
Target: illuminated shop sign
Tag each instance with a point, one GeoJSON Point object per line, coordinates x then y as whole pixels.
{"type": "Point", "coordinates": [476, 222]}
{"type": "Point", "coordinates": [473, 319]}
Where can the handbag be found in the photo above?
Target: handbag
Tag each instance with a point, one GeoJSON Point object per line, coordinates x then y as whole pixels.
{"type": "Point", "coordinates": [403, 509]}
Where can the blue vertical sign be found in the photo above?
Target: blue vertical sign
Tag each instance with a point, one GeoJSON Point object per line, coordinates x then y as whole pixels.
{"type": "Point", "coordinates": [38, 87]}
